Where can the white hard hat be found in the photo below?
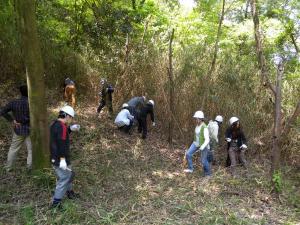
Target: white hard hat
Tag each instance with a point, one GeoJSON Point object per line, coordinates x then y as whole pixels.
{"type": "Point", "coordinates": [233, 120]}
{"type": "Point", "coordinates": [199, 115]}
{"type": "Point", "coordinates": [151, 102]}
{"type": "Point", "coordinates": [68, 110]}
{"type": "Point", "coordinates": [125, 105]}
{"type": "Point", "coordinates": [219, 119]}
{"type": "Point", "coordinates": [103, 81]}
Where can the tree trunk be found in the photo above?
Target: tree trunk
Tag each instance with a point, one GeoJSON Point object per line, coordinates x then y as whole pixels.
{"type": "Point", "coordinates": [277, 123]}
{"type": "Point", "coordinates": [294, 43]}
{"type": "Point", "coordinates": [35, 81]}
{"type": "Point", "coordinates": [216, 49]}
{"type": "Point", "coordinates": [171, 80]}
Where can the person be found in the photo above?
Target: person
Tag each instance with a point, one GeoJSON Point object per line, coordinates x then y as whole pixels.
{"type": "Point", "coordinates": [142, 118]}
{"type": "Point", "coordinates": [201, 141]}
{"type": "Point", "coordinates": [106, 96]}
{"type": "Point", "coordinates": [20, 119]}
{"type": "Point", "coordinates": [60, 155]}
{"type": "Point", "coordinates": [124, 119]}
{"type": "Point", "coordinates": [236, 146]}
{"type": "Point", "coordinates": [69, 91]}
{"type": "Point", "coordinates": [213, 129]}
{"type": "Point", "coordinates": [135, 104]}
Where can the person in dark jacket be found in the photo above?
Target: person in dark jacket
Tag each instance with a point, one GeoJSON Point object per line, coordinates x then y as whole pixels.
{"type": "Point", "coordinates": [69, 91]}
{"type": "Point", "coordinates": [135, 104]}
{"type": "Point", "coordinates": [236, 143]}
{"type": "Point", "coordinates": [20, 119]}
{"type": "Point", "coordinates": [106, 96]}
{"type": "Point", "coordinates": [142, 118]}
{"type": "Point", "coordinates": [60, 154]}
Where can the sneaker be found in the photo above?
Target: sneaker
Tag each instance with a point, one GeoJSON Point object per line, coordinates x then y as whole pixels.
{"type": "Point", "coordinates": [188, 171]}
{"type": "Point", "coordinates": [72, 195]}
{"type": "Point", "coordinates": [56, 205]}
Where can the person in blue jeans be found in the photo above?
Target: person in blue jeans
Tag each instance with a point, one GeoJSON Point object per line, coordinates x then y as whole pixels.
{"type": "Point", "coordinates": [201, 142]}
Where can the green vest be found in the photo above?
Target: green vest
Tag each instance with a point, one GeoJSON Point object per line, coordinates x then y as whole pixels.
{"type": "Point", "coordinates": [201, 134]}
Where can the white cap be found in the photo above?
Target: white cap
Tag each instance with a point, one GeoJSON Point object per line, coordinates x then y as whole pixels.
{"type": "Point", "coordinates": [68, 110]}
{"type": "Point", "coordinates": [233, 120]}
{"type": "Point", "coordinates": [125, 105]}
{"type": "Point", "coordinates": [151, 102]}
{"type": "Point", "coordinates": [219, 119]}
{"type": "Point", "coordinates": [199, 115]}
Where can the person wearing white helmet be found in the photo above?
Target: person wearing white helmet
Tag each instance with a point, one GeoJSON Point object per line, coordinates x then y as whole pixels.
{"type": "Point", "coordinates": [60, 154]}
{"type": "Point", "coordinates": [142, 117]}
{"type": "Point", "coordinates": [201, 141]}
{"type": "Point", "coordinates": [106, 96]}
{"type": "Point", "coordinates": [213, 128]}
{"type": "Point", "coordinates": [236, 140]}
{"type": "Point", "coordinates": [124, 119]}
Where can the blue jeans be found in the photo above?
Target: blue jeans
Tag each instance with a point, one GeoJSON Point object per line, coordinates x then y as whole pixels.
{"type": "Point", "coordinates": [63, 183]}
{"type": "Point", "coordinates": [204, 159]}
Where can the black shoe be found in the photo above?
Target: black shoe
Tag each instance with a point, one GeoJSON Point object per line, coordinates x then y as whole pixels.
{"type": "Point", "coordinates": [72, 195]}
{"type": "Point", "coordinates": [56, 205]}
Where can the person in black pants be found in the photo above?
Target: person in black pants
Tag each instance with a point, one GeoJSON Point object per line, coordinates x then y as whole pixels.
{"type": "Point", "coordinates": [142, 118]}
{"type": "Point", "coordinates": [106, 97]}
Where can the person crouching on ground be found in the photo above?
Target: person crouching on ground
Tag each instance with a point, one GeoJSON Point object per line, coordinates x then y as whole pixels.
{"type": "Point", "coordinates": [60, 154]}
{"type": "Point", "coordinates": [236, 143]}
{"type": "Point", "coordinates": [201, 141]}
{"type": "Point", "coordinates": [124, 119]}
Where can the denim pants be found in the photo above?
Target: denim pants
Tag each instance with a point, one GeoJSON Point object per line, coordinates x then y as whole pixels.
{"type": "Point", "coordinates": [63, 183]}
{"type": "Point", "coordinates": [204, 159]}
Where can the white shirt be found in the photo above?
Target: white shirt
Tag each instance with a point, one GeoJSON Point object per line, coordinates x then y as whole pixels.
{"type": "Point", "coordinates": [206, 137]}
{"type": "Point", "coordinates": [213, 129]}
{"type": "Point", "coordinates": [123, 118]}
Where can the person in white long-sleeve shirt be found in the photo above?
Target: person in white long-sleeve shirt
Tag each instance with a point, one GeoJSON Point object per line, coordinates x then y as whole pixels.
{"type": "Point", "coordinates": [124, 119]}
{"type": "Point", "coordinates": [201, 141]}
{"type": "Point", "coordinates": [213, 128]}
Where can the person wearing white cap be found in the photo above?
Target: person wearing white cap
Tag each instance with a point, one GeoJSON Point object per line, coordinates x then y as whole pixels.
{"type": "Point", "coordinates": [60, 154]}
{"type": "Point", "coordinates": [124, 119]}
{"type": "Point", "coordinates": [201, 141]}
{"type": "Point", "coordinates": [213, 128]}
{"type": "Point", "coordinates": [236, 140]}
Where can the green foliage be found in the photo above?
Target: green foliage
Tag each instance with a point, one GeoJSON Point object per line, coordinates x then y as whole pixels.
{"type": "Point", "coordinates": [277, 181]}
{"type": "Point", "coordinates": [27, 213]}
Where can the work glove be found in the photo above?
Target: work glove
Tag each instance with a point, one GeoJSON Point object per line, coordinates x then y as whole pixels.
{"type": "Point", "coordinates": [75, 127]}
{"type": "Point", "coordinates": [63, 164]}
{"type": "Point", "coordinates": [228, 139]}
{"type": "Point", "coordinates": [244, 146]}
{"type": "Point", "coordinates": [153, 124]}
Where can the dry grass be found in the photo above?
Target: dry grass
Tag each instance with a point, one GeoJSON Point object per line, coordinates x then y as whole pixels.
{"type": "Point", "coordinates": [125, 180]}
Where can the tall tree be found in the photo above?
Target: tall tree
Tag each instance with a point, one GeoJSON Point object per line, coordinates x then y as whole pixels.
{"type": "Point", "coordinates": [35, 81]}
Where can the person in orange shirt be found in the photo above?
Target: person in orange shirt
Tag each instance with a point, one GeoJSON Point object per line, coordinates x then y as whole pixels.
{"type": "Point", "coordinates": [69, 92]}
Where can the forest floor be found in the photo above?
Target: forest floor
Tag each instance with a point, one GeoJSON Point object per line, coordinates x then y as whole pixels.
{"type": "Point", "coordinates": [123, 179]}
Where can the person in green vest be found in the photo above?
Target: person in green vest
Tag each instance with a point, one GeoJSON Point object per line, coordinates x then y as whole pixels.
{"type": "Point", "coordinates": [201, 141]}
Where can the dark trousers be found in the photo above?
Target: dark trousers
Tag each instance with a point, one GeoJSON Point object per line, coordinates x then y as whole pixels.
{"type": "Point", "coordinates": [127, 128]}
{"type": "Point", "coordinates": [142, 128]}
{"type": "Point", "coordinates": [104, 103]}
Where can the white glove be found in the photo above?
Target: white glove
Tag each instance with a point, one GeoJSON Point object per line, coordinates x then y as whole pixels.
{"type": "Point", "coordinates": [228, 139]}
{"type": "Point", "coordinates": [75, 127]}
{"type": "Point", "coordinates": [243, 146]}
{"type": "Point", "coordinates": [63, 164]}
{"type": "Point", "coordinates": [153, 124]}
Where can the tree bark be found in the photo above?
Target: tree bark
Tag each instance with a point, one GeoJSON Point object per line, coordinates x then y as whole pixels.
{"type": "Point", "coordinates": [277, 123]}
{"type": "Point", "coordinates": [171, 80]}
{"type": "Point", "coordinates": [35, 81]}
{"type": "Point", "coordinates": [215, 55]}
{"type": "Point", "coordinates": [259, 50]}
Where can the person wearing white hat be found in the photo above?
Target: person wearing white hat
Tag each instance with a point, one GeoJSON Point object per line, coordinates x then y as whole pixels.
{"type": "Point", "coordinates": [236, 140]}
{"type": "Point", "coordinates": [213, 128]}
{"type": "Point", "coordinates": [201, 141]}
{"type": "Point", "coordinates": [60, 154]}
{"type": "Point", "coordinates": [124, 119]}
